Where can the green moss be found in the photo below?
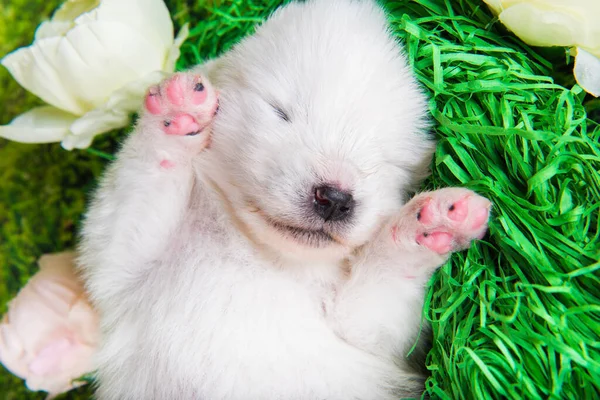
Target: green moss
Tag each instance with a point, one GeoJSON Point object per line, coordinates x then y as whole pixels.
{"type": "Point", "coordinates": [42, 187]}
{"type": "Point", "coordinates": [517, 315]}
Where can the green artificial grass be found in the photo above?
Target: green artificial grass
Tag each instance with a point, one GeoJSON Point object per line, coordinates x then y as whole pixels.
{"type": "Point", "coordinates": [516, 316]}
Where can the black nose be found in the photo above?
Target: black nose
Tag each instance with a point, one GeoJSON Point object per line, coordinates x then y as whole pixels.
{"type": "Point", "coordinates": [332, 204]}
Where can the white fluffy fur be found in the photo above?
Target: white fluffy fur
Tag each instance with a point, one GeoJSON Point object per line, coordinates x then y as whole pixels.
{"type": "Point", "coordinates": [200, 297]}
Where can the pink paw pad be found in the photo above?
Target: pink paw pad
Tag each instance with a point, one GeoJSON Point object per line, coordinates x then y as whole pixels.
{"type": "Point", "coordinates": [152, 103]}
{"type": "Point", "coordinates": [183, 105]}
{"type": "Point", "coordinates": [446, 225]}
{"type": "Point", "coordinates": [181, 124]}
{"type": "Point", "coordinates": [480, 218]}
{"type": "Point", "coordinates": [426, 214]}
{"type": "Point", "coordinates": [458, 211]}
{"type": "Point", "coordinates": [440, 242]}
{"type": "Point", "coordinates": [200, 94]}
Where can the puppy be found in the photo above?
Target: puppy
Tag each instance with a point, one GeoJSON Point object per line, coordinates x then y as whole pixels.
{"type": "Point", "coordinates": [256, 242]}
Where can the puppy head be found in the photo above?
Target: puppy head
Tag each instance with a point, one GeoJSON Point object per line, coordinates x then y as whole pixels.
{"type": "Point", "coordinates": [321, 128]}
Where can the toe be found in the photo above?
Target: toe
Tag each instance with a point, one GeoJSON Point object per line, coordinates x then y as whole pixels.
{"type": "Point", "coordinates": [440, 242]}
{"type": "Point", "coordinates": [480, 217]}
{"type": "Point", "coordinates": [175, 91]}
{"type": "Point", "coordinates": [200, 93]}
{"type": "Point", "coordinates": [152, 102]}
{"type": "Point", "coordinates": [426, 214]}
{"type": "Point", "coordinates": [459, 210]}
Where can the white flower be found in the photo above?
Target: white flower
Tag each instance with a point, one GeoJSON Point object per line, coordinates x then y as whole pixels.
{"type": "Point", "coordinates": [50, 333]}
{"type": "Point", "coordinates": [92, 63]}
{"type": "Point", "coordinates": [567, 23]}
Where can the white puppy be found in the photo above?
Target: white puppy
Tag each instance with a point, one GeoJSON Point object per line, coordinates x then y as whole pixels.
{"type": "Point", "coordinates": [253, 243]}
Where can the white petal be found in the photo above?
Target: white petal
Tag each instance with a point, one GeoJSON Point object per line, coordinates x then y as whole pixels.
{"type": "Point", "coordinates": [494, 5]}
{"type": "Point", "coordinates": [94, 123]}
{"type": "Point", "coordinates": [130, 97]}
{"type": "Point", "coordinates": [11, 347]}
{"type": "Point", "coordinates": [99, 121]}
{"type": "Point", "coordinates": [71, 9]}
{"type": "Point", "coordinates": [37, 70]}
{"type": "Point", "coordinates": [114, 114]}
{"type": "Point", "coordinates": [78, 73]}
{"type": "Point", "coordinates": [587, 72]}
{"type": "Point", "coordinates": [543, 26]}
{"type": "Point", "coordinates": [76, 142]}
{"type": "Point", "coordinates": [63, 18]}
{"type": "Point", "coordinates": [150, 18]}
{"type": "Point", "coordinates": [48, 29]}
{"type": "Point", "coordinates": [98, 58]}
{"type": "Point", "coordinates": [40, 125]}
{"type": "Point", "coordinates": [175, 52]}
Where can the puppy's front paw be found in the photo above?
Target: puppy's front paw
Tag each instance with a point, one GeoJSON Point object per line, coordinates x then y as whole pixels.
{"type": "Point", "coordinates": [183, 105]}
{"type": "Point", "coordinates": [444, 221]}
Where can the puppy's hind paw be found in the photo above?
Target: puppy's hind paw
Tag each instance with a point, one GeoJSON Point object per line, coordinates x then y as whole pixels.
{"type": "Point", "coordinates": [444, 221]}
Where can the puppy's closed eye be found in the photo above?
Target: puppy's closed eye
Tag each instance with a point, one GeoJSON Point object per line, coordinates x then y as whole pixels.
{"type": "Point", "coordinates": [282, 114]}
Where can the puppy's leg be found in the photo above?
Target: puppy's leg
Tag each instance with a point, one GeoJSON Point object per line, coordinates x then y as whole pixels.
{"type": "Point", "coordinates": [379, 308]}
{"type": "Point", "coordinates": [144, 194]}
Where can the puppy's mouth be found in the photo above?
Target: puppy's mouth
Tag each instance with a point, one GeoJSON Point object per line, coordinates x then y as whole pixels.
{"type": "Point", "coordinates": [316, 238]}
{"type": "Point", "coordinates": [311, 237]}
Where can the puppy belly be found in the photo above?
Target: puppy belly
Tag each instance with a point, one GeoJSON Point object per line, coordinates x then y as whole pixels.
{"type": "Point", "coordinates": [241, 333]}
